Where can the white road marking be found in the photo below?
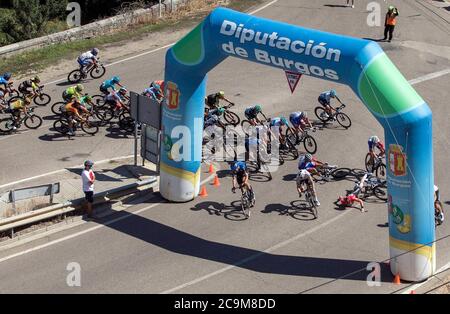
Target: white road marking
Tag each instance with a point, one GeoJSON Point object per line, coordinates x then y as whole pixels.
{"type": "Point", "coordinates": [418, 285]}
{"type": "Point", "coordinates": [107, 223]}
{"type": "Point", "coordinates": [263, 7]}
{"type": "Point", "coordinates": [428, 77]}
{"type": "Point", "coordinates": [254, 256]}
{"type": "Point", "coordinates": [62, 170]}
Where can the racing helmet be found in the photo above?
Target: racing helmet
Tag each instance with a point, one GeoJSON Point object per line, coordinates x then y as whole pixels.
{"type": "Point", "coordinates": [36, 79]}
{"type": "Point", "coordinates": [95, 51]}
{"type": "Point", "coordinates": [308, 157]}
{"type": "Point", "coordinates": [79, 88]}
{"type": "Point", "coordinates": [88, 98]}
{"type": "Point", "coordinates": [7, 76]}
{"type": "Point", "coordinates": [284, 120]}
{"type": "Point", "coordinates": [115, 79]}
{"type": "Point", "coordinates": [221, 110]}
{"type": "Point", "coordinates": [88, 163]}
{"type": "Point", "coordinates": [258, 108]}
{"type": "Point", "coordinates": [375, 139]}
{"type": "Point", "coordinates": [221, 94]}
{"type": "Point", "coordinates": [123, 90]}
{"type": "Point", "coordinates": [332, 93]}
{"type": "Point", "coordinates": [304, 114]}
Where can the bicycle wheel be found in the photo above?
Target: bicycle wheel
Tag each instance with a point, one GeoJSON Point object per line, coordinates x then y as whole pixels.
{"type": "Point", "coordinates": [380, 172]}
{"type": "Point", "coordinates": [245, 204]}
{"type": "Point", "coordinates": [75, 76]}
{"type": "Point", "coordinates": [6, 125]}
{"type": "Point", "coordinates": [61, 126]}
{"type": "Point", "coordinates": [98, 100]}
{"type": "Point", "coordinates": [340, 173]}
{"type": "Point", "coordinates": [89, 127]}
{"type": "Point", "coordinates": [343, 120]}
{"type": "Point", "coordinates": [42, 99]}
{"type": "Point", "coordinates": [321, 114]}
{"type": "Point", "coordinates": [368, 164]}
{"type": "Point", "coordinates": [33, 121]}
{"type": "Point", "coordinates": [246, 126]}
{"type": "Point", "coordinates": [293, 137]}
{"type": "Point", "coordinates": [231, 118]}
{"type": "Point", "coordinates": [126, 122]}
{"type": "Point", "coordinates": [380, 193]}
{"type": "Point", "coordinates": [98, 71]}
{"type": "Point", "coordinates": [56, 107]}
{"type": "Point", "coordinates": [310, 144]}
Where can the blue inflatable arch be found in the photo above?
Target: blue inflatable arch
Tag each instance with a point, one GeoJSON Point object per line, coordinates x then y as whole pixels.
{"type": "Point", "coordinates": [360, 64]}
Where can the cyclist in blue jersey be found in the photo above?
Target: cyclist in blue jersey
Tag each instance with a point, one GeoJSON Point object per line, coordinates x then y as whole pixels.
{"type": "Point", "coordinates": [240, 177]}
{"type": "Point", "coordinates": [325, 100]}
{"type": "Point", "coordinates": [154, 92]}
{"type": "Point", "coordinates": [282, 124]}
{"type": "Point", "coordinates": [213, 117]}
{"type": "Point", "coordinates": [308, 162]}
{"type": "Point", "coordinates": [5, 80]}
{"type": "Point", "coordinates": [300, 121]}
{"type": "Point", "coordinates": [111, 83]}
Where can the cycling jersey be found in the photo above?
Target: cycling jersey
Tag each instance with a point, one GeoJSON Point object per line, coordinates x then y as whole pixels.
{"type": "Point", "coordinates": [372, 145]}
{"type": "Point", "coordinates": [151, 92]}
{"type": "Point", "coordinates": [296, 118]}
{"type": "Point", "coordinates": [72, 92]}
{"type": "Point", "coordinates": [304, 164]}
{"type": "Point", "coordinates": [211, 120]}
{"type": "Point", "coordinates": [303, 176]}
{"type": "Point", "coordinates": [86, 58]}
{"type": "Point", "coordinates": [113, 97]}
{"type": "Point", "coordinates": [325, 97]}
{"type": "Point", "coordinates": [108, 84]}
{"type": "Point", "coordinates": [71, 108]}
{"type": "Point", "coordinates": [25, 86]}
{"type": "Point", "coordinates": [158, 82]}
{"type": "Point", "coordinates": [276, 122]}
{"type": "Point", "coordinates": [251, 113]}
{"type": "Point", "coordinates": [347, 200]}
{"type": "Point", "coordinates": [17, 105]}
{"type": "Point", "coordinates": [3, 81]}
{"type": "Point", "coordinates": [213, 100]}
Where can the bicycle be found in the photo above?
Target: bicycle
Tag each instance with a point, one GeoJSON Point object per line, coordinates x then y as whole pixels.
{"type": "Point", "coordinates": [39, 97]}
{"type": "Point", "coordinates": [338, 116]}
{"type": "Point", "coordinates": [246, 125]}
{"type": "Point", "coordinates": [309, 143]}
{"type": "Point", "coordinates": [247, 201]}
{"type": "Point", "coordinates": [95, 70]}
{"type": "Point", "coordinates": [62, 125]}
{"type": "Point", "coordinates": [310, 200]}
{"type": "Point", "coordinates": [29, 119]}
{"type": "Point", "coordinates": [378, 167]}
{"type": "Point", "coordinates": [371, 186]}
{"type": "Point", "coordinates": [327, 172]}
{"type": "Point", "coordinates": [230, 117]}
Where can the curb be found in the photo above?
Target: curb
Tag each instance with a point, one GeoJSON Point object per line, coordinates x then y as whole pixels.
{"type": "Point", "coordinates": [59, 209]}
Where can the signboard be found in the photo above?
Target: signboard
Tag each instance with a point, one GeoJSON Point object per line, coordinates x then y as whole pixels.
{"type": "Point", "coordinates": [150, 145]}
{"type": "Point", "coordinates": [145, 110]}
{"type": "Point", "coordinates": [293, 78]}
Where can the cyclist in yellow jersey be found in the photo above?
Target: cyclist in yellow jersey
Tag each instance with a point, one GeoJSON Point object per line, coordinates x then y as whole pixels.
{"type": "Point", "coordinates": [74, 92]}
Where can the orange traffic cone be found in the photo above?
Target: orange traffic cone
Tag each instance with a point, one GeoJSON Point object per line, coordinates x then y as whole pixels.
{"type": "Point", "coordinates": [203, 192]}
{"type": "Point", "coordinates": [211, 168]}
{"type": "Point", "coordinates": [397, 279]}
{"type": "Point", "coordinates": [216, 181]}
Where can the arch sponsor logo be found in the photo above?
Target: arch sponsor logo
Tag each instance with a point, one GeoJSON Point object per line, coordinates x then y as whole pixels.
{"type": "Point", "coordinates": [173, 96]}
{"type": "Point", "coordinates": [397, 160]}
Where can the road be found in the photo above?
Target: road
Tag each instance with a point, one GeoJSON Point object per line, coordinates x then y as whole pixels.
{"type": "Point", "coordinates": [204, 246]}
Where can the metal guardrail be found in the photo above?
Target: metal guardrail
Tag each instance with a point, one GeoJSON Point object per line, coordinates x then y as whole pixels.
{"type": "Point", "coordinates": [15, 195]}
{"type": "Point", "coordinates": [11, 223]}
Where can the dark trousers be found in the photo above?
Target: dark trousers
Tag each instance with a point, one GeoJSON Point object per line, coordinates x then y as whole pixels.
{"type": "Point", "coordinates": [388, 29]}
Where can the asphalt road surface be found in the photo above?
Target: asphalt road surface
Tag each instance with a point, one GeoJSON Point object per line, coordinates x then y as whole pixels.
{"type": "Point", "coordinates": [206, 246]}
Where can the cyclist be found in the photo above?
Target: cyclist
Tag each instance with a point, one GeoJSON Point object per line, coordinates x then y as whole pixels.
{"type": "Point", "coordinates": [5, 80]}
{"type": "Point", "coordinates": [281, 123]}
{"type": "Point", "coordinates": [213, 100]}
{"type": "Point", "coordinates": [325, 100]}
{"type": "Point", "coordinates": [251, 113]}
{"type": "Point", "coordinates": [87, 59]}
{"type": "Point", "coordinates": [438, 210]}
{"type": "Point", "coordinates": [154, 91]}
{"type": "Point", "coordinates": [73, 92]}
{"type": "Point", "coordinates": [300, 121]}
{"type": "Point", "coordinates": [111, 83]}
{"type": "Point", "coordinates": [116, 100]}
{"type": "Point", "coordinates": [157, 83]}
{"type": "Point", "coordinates": [304, 177]}
{"type": "Point", "coordinates": [17, 107]}
{"type": "Point", "coordinates": [374, 142]}
{"type": "Point", "coordinates": [349, 200]}
{"type": "Point", "coordinates": [29, 87]}
{"type": "Point", "coordinates": [240, 176]}
{"type": "Point", "coordinates": [72, 111]}
{"type": "Point", "coordinates": [213, 117]}
{"type": "Point", "coordinates": [86, 102]}
{"type": "Point", "coordinates": [310, 163]}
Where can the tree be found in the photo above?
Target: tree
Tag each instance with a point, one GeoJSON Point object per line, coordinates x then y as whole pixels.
{"type": "Point", "coordinates": [30, 19]}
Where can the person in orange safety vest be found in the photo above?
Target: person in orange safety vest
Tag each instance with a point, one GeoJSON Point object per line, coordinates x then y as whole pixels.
{"type": "Point", "coordinates": [390, 21]}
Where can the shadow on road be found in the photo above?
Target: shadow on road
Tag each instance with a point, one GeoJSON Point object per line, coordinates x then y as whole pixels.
{"type": "Point", "coordinates": [376, 39]}
{"type": "Point", "coordinates": [180, 242]}
{"type": "Point", "coordinates": [231, 212]}
{"type": "Point", "coordinates": [335, 5]}
{"type": "Point", "coordinates": [51, 137]}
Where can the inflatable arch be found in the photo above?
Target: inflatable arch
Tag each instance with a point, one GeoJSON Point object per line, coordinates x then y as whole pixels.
{"type": "Point", "coordinates": [360, 64]}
